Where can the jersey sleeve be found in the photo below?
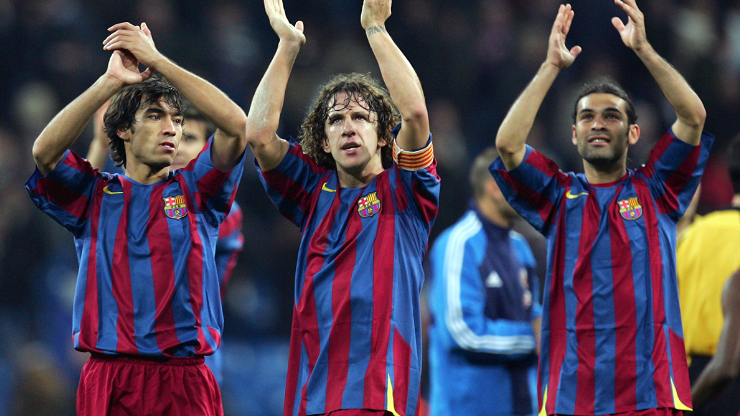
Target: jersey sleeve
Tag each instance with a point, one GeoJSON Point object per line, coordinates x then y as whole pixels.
{"type": "Point", "coordinates": [229, 245]}
{"type": "Point", "coordinates": [213, 190]}
{"type": "Point", "coordinates": [292, 183]}
{"type": "Point", "coordinates": [417, 170]}
{"type": "Point", "coordinates": [66, 193]}
{"type": "Point", "coordinates": [534, 189]}
{"type": "Point", "coordinates": [673, 172]}
{"type": "Point", "coordinates": [456, 257]}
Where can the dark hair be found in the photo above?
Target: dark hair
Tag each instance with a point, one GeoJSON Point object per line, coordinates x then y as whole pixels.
{"type": "Point", "coordinates": [733, 163]}
{"type": "Point", "coordinates": [124, 105]}
{"type": "Point", "coordinates": [356, 86]}
{"type": "Point", "coordinates": [479, 173]}
{"type": "Point", "coordinates": [189, 112]}
{"type": "Point", "coordinates": [607, 85]}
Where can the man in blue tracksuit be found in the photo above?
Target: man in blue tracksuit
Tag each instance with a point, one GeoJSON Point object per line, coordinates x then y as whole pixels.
{"type": "Point", "coordinates": [485, 316]}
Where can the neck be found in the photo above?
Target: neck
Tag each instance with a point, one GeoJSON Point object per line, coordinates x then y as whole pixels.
{"type": "Point", "coordinates": [146, 175]}
{"type": "Point", "coordinates": [351, 178]}
{"type": "Point", "coordinates": [601, 175]}
{"type": "Point", "coordinates": [488, 208]}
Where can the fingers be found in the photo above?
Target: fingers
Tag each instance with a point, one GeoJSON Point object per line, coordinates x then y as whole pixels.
{"type": "Point", "coordinates": [629, 7]}
{"type": "Point", "coordinates": [575, 51]}
{"type": "Point", "coordinates": [299, 26]}
{"type": "Point", "coordinates": [618, 24]}
{"type": "Point", "coordinates": [147, 32]}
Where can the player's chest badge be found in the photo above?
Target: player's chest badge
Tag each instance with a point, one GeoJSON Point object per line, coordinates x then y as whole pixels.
{"type": "Point", "coordinates": [630, 209]}
{"type": "Point", "coordinates": [175, 207]}
{"type": "Point", "coordinates": [368, 205]}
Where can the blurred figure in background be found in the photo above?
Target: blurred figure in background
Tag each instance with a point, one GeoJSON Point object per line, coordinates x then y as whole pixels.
{"type": "Point", "coordinates": [708, 253]}
{"type": "Point", "coordinates": [486, 318]}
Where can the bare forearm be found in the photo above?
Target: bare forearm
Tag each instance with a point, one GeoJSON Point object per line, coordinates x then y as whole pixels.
{"type": "Point", "coordinates": [711, 382]}
{"type": "Point", "coordinates": [209, 100]}
{"type": "Point", "coordinates": [67, 126]}
{"type": "Point", "coordinates": [688, 106]}
{"type": "Point", "coordinates": [267, 105]}
{"type": "Point", "coordinates": [513, 132]}
{"type": "Point", "coordinates": [403, 84]}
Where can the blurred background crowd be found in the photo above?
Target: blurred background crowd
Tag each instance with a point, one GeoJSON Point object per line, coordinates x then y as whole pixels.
{"type": "Point", "coordinates": [473, 57]}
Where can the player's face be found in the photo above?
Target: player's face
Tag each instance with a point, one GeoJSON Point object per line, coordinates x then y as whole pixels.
{"type": "Point", "coordinates": [352, 136]}
{"type": "Point", "coordinates": [154, 136]}
{"type": "Point", "coordinates": [193, 139]}
{"type": "Point", "coordinates": [602, 132]}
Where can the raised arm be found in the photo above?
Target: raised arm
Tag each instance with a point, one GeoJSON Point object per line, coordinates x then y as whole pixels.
{"type": "Point", "coordinates": [512, 135]}
{"type": "Point", "coordinates": [398, 74]}
{"type": "Point", "coordinates": [229, 141]}
{"type": "Point", "coordinates": [267, 104]}
{"type": "Point", "coordinates": [725, 365]}
{"type": "Point", "coordinates": [66, 127]}
{"type": "Point", "coordinates": [688, 106]}
{"type": "Point", "coordinates": [98, 151]}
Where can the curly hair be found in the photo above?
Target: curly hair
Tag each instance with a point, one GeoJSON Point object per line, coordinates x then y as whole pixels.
{"type": "Point", "coordinates": [121, 114]}
{"type": "Point", "coordinates": [356, 86]}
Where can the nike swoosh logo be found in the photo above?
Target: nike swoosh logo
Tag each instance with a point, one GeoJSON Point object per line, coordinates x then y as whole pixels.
{"type": "Point", "coordinates": [326, 188]}
{"type": "Point", "coordinates": [571, 196]}
{"type": "Point", "coordinates": [105, 189]}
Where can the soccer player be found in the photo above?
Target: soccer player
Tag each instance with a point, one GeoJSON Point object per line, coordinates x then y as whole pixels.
{"type": "Point", "coordinates": [365, 196]}
{"type": "Point", "coordinates": [147, 305]}
{"type": "Point", "coordinates": [195, 134]}
{"type": "Point", "coordinates": [724, 365]}
{"type": "Point", "coordinates": [611, 327]}
{"type": "Point", "coordinates": [707, 255]}
{"type": "Point", "coordinates": [485, 319]}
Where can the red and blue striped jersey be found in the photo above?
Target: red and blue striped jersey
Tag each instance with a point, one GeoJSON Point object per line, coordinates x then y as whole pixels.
{"type": "Point", "coordinates": [147, 282]}
{"type": "Point", "coordinates": [356, 332]}
{"type": "Point", "coordinates": [230, 244]}
{"type": "Point", "coordinates": [612, 339]}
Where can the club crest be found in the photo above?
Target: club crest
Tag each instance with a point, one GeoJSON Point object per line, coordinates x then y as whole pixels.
{"type": "Point", "coordinates": [630, 209]}
{"type": "Point", "coordinates": [368, 205]}
{"type": "Point", "coordinates": [175, 207]}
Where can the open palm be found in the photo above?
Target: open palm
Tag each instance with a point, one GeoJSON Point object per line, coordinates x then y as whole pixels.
{"type": "Point", "coordinates": [633, 33]}
{"type": "Point", "coordinates": [124, 67]}
{"type": "Point", "coordinates": [557, 53]}
{"type": "Point", "coordinates": [281, 25]}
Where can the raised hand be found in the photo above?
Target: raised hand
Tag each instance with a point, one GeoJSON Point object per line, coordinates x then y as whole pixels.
{"type": "Point", "coordinates": [557, 53]}
{"type": "Point", "coordinates": [136, 40]}
{"type": "Point", "coordinates": [124, 67]}
{"type": "Point", "coordinates": [375, 13]}
{"type": "Point", "coordinates": [633, 34]}
{"type": "Point", "coordinates": [280, 24]}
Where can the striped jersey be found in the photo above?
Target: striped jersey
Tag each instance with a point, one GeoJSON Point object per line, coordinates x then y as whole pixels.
{"type": "Point", "coordinates": [482, 301]}
{"type": "Point", "coordinates": [147, 282]}
{"type": "Point", "coordinates": [356, 332]}
{"type": "Point", "coordinates": [612, 339]}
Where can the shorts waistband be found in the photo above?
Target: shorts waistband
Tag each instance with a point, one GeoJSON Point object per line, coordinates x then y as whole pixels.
{"type": "Point", "coordinates": [149, 360]}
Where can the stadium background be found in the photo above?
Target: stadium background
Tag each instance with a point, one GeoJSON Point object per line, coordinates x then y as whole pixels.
{"type": "Point", "coordinates": [473, 58]}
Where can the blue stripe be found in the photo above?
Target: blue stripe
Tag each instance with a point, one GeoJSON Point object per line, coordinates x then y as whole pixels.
{"type": "Point", "coordinates": [142, 280]}
{"type": "Point", "coordinates": [111, 211]}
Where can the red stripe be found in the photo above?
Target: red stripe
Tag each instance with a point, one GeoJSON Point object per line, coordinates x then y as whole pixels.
{"type": "Point", "coordinates": [401, 372]}
{"type": "Point", "coordinates": [399, 193]}
{"type": "Point", "coordinates": [675, 183]}
{"type": "Point", "coordinates": [306, 308]}
{"type": "Point", "coordinates": [208, 186]}
{"type": "Point", "coordinates": [297, 151]}
{"type": "Point", "coordinates": [625, 310]}
{"type": "Point", "coordinates": [558, 323]}
{"type": "Point", "coordinates": [294, 365]}
{"type": "Point", "coordinates": [72, 202]}
{"type": "Point", "coordinates": [383, 253]}
{"type": "Point", "coordinates": [426, 202]}
{"type": "Point", "coordinates": [194, 266]}
{"type": "Point", "coordinates": [121, 285]}
{"type": "Point", "coordinates": [680, 368]}
{"type": "Point", "coordinates": [538, 202]}
{"type": "Point", "coordinates": [341, 306]}
{"type": "Point", "coordinates": [289, 189]}
{"type": "Point", "coordinates": [660, 357]}
{"type": "Point", "coordinates": [89, 323]}
{"type": "Point", "coordinates": [163, 269]}
{"type": "Point", "coordinates": [583, 286]}
{"type": "Point", "coordinates": [233, 222]}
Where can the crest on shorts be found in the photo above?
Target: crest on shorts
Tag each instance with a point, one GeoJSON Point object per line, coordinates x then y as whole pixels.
{"type": "Point", "coordinates": [368, 205]}
{"type": "Point", "coordinates": [175, 207]}
{"type": "Point", "coordinates": [630, 209]}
